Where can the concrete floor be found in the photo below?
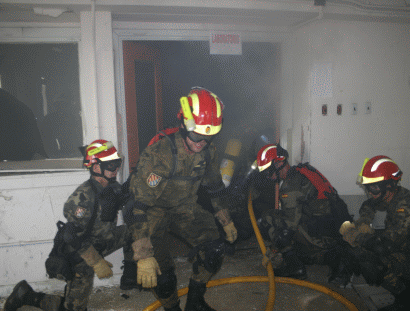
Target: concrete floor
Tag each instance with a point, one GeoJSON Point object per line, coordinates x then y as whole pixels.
{"type": "Point", "coordinates": [245, 296]}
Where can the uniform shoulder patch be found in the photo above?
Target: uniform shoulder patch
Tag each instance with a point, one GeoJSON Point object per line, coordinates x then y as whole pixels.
{"type": "Point", "coordinates": [285, 196]}
{"type": "Point", "coordinates": [153, 180]}
{"type": "Point", "coordinates": [80, 212]}
{"type": "Point", "coordinates": [400, 210]}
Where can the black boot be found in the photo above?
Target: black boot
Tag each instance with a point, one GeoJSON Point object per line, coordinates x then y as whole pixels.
{"type": "Point", "coordinates": [174, 308]}
{"type": "Point", "coordinates": [401, 302]}
{"type": "Point", "coordinates": [195, 300]}
{"type": "Point", "coordinates": [293, 268]}
{"type": "Point", "coordinates": [23, 295]}
{"type": "Point", "coordinates": [129, 276]}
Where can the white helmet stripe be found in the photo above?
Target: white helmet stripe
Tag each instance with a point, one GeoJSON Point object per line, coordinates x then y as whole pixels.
{"type": "Point", "coordinates": [378, 162]}
{"type": "Point", "coordinates": [263, 156]}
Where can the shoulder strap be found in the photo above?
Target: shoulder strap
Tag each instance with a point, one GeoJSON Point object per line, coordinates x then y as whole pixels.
{"type": "Point", "coordinates": [170, 134]}
{"type": "Point", "coordinates": [163, 133]}
{"type": "Point", "coordinates": [171, 138]}
{"type": "Point", "coordinates": [320, 182]}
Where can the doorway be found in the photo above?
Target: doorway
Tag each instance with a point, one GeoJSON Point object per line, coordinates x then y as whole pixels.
{"type": "Point", "coordinates": [247, 84]}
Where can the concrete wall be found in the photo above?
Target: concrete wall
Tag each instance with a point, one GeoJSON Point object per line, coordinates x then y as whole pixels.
{"type": "Point", "coordinates": [331, 63]}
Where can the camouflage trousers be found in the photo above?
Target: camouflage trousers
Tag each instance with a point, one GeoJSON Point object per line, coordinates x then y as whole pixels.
{"type": "Point", "coordinates": [190, 222]}
{"type": "Point", "coordinates": [78, 290]}
{"type": "Point", "coordinates": [397, 276]}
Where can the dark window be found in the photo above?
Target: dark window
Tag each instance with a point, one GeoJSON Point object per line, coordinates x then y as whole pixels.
{"type": "Point", "coordinates": [40, 102]}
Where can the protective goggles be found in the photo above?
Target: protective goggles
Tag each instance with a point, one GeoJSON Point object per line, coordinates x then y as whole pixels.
{"type": "Point", "coordinates": [111, 165]}
{"type": "Point", "coordinates": [196, 138]}
{"type": "Point", "coordinates": [373, 189]}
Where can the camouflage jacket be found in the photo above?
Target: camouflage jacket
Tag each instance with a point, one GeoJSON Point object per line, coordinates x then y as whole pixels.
{"type": "Point", "coordinates": [152, 185]}
{"type": "Point", "coordinates": [397, 220]}
{"type": "Point", "coordinates": [78, 209]}
{"type": "Point", "coordinates": [298, 199]}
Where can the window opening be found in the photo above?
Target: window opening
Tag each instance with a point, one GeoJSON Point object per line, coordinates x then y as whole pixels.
{"type": "Point", "coordinates": [40, 103]}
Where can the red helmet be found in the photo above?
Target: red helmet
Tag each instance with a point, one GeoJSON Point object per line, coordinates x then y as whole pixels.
{"type": "Point", "coordinates": [378, 169]}
{"type": "Point", "coordinates": [206, 110]}
{"type": "Point", "coordinates": [100, 150]}
{"type": "Point", "coordinates": [270, 153]}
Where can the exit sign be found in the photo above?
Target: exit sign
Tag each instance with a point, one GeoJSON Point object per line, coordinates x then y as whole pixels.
{"type": "Point", "coordinates": [222, 42]}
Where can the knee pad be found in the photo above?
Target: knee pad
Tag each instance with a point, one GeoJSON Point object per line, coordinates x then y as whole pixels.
{"type": "Point", "coordinates": [210, 255]}
{"type": "Point", "coordinates": [166, 284]}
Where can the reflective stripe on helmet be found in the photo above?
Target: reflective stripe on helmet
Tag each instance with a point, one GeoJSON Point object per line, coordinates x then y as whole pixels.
{"type": "Point", "coordinates": [99, 147]}
{"type": "Point", "coordinates": [263, 158]}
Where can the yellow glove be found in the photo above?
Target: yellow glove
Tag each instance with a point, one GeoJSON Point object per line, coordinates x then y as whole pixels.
{"type": "Point", "coordinates": [273, 257]}
{"type": "Point", "coordinates": [345, 226]}
{"type": "Point", "coordinates": [100, 266]}
{"type": "Point", "coordinates": [147, 271]}
{"type": "Point", "coordinates": [265, 261]}
{"type": "Point", "coordinates": [231, 232]}
{"type": "Point", "coordinates": [103, 269]}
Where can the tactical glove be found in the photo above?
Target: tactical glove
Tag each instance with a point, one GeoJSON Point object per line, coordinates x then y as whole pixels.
{"type": "Point", "coordinates": [345, 227]}
{"type": "Point", "coordinates": [227, 224]}
{"type": "Point", "coordinates": [147, 271]}
{"type": "Point", "coordinates": [103, 269]}
{"type": "Point", "coordinates": [100, 266]}
{"type": "Point", "coordinates": [142, 249]}
{"type": "Point", "coordinates": [231, 232]}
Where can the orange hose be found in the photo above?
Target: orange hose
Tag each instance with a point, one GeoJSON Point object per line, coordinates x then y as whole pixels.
{"type": "Point", "coordinates": [271, 275]}
{"type": "Point", "coordinates": [271, 278]}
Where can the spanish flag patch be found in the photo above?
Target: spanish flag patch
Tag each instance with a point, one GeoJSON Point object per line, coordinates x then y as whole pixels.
{"type": "Point", "coordinates": [284, 196]}
{"type": "Point", "coordinates": [400, 210]}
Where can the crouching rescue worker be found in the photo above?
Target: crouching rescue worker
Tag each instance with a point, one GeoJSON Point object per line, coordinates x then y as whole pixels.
{"type": "Point", "coordinates": [384, 255]}
{"type": "Point", "coordinates": [91, 233]}
{"type": "Point", "coordinates": [164, 189]}
{"type": "Point", "coordinates": [304, 228]}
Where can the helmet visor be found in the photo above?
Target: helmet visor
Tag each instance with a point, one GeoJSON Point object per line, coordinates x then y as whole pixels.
{"type": "Point", "coordinates": [196, 138]}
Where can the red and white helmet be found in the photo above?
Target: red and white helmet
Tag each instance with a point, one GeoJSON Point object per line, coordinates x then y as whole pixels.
{"type": "Point", "coordinates": [378, 169]}
{"type": "Point", "coordinates": [206, 110]}
{"type": "Point", "coordinates": [270, 153]}
{"type": "Point", "coordinates": [100, 150]}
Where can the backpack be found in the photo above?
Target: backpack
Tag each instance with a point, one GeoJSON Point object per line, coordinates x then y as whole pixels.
{"type": "Point", "coordinates": [322, 225]}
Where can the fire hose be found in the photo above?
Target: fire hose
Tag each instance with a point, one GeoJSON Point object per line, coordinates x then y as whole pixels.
{"type": "Point", "coordinates": [270, 278]}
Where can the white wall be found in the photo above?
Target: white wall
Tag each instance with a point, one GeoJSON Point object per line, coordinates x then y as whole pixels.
{"type": "Point", "coordinates": [364, 62]}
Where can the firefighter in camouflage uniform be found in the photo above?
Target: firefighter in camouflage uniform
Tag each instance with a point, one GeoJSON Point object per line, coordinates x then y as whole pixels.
{"type": "Point", "coordinates": [304, 228]}
{"type": "Point", "coordinates": [102, 192]}
{"type": "Point", "coordinates": [164, 189]}
{"type": "Point", "coordinates": [384, 253]}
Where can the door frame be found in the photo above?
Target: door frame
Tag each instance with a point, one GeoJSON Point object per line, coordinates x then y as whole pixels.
{"type": "Point", "coordinates": [141, 31]}
{"type": "Point", "coordinates": [144, 53]}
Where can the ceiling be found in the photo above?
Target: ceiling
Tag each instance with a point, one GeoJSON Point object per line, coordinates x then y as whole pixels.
{"type": "Point", "coordinates": [271, 13]}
